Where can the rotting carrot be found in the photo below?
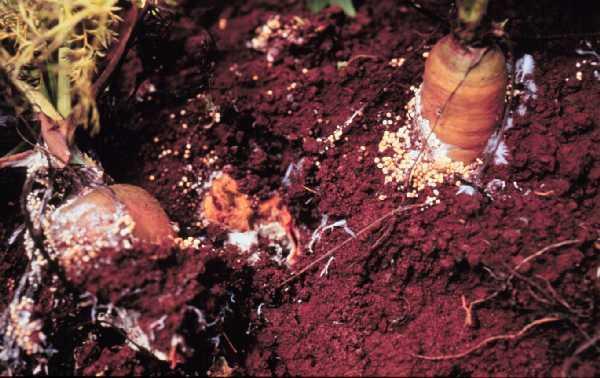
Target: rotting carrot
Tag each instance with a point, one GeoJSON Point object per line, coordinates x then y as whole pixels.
{"type": "Point", "coordinates": [226, 206]}
{"type": "Point", "coordinates": [65, 100]}
{"type": "Point", "coordinates": [464, 85]}
{"type": "Point", "coordinates": [74, 218]}
{"type": "Point", "coordinates": [93, 213]}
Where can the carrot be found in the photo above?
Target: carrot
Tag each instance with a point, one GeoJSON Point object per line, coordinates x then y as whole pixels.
{"type": "Point", "coordinates": [112, 216]}
{"type": "Point", "coordinates": [40, 39]}
{"type": "Point", "coordinates": [152, 224]}
{"type": "Point", "coordinates": [464, 85]}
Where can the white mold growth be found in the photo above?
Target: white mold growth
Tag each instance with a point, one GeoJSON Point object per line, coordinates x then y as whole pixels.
{"type": "Point", "coordinates": [325, 270]}
{"type": "Point", "coordinates": [501, 154]}
{"type": "Point", "coordinates": [292, 169]}
{"type": "Point", "coordinates": [243, 240]}
{"type": "Point", "coordinates": [595, 57]}
{"type": "Point", "coordinates": [509, 123]}
{"type": "Point", "coordinates": [323, 227]}
{"type": "Point", "coordinates": [103, 229]}
{"type": "Point", "coordinates": [466, 189]}
{"type": "Point", "coordinates": [274, 232]}
{"type": "Point", "coordinates": [524, 68]}
{"type": "Point", "coordinates": [438, 149]}
{"type": "Point", "coordinates": [494, 187]}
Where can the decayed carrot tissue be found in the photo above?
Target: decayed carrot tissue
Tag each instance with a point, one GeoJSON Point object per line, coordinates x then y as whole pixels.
{"type": "Point", "coordinates": [305, 188]}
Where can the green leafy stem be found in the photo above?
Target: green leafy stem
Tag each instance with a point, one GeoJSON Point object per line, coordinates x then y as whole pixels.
{"type": "Point", "coordinates": [346, 5]}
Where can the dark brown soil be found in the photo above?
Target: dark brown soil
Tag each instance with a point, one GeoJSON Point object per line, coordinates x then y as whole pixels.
{"type": "Point", "coordinates": [395, 290]}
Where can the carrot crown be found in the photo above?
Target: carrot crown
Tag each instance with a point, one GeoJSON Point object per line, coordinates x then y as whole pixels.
{"type": "Point", "coordinates": [470, 16]}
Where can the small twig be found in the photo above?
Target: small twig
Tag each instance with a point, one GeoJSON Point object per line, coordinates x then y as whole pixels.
{"type": "Point", "coordinates": [534, 285]}
{"type": "Point", "coordinates": [544, 194]}
{"type": "Point", "coordinates": [325, 270]}
{"type": "Point", "coordinates": [310, 190]}
{"type": "Point", "coordinates": [489, 340]}
{"type": "Point", "coordinates": [588, 344]}
{"type": "Point", "coordinates": [536, 296]}
{"type": "Point", "coordinates": [348, 240]}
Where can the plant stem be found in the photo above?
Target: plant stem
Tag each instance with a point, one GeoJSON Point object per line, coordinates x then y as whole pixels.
{"type": "Point", "coordinates": [63, 87]}
{"type": "Point", "coordinates": [470, 15]}
{"type": "Point", "coordinates": [116, 53]}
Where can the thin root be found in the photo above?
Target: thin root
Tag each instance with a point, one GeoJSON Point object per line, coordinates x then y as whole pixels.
{"type": "Point", "coordinates": [348, 240]}
{"type": "Point", "coordinates": [233, 348]}
{"type": "Point", "coordinates": [582, 348]}
{"type": "Point", "coordinates": [489, 340]}
{"type": "Point", "coordinates": [362, 56]}
{"type": "Point", "coordinates": [552, 294]}
{"type": "Point", "coordinates": [468, 307]}
{"type": "Point", "coordinates": [544, 250]}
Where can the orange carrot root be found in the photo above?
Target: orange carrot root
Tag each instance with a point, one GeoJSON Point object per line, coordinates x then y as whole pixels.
{"type": "Point", "coordinates": [463, 95]}
{"type": "Point", "coordinates": [94, 218]}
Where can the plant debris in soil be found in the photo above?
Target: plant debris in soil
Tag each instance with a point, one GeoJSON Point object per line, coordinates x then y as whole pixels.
{"type": "Point", "coordinates": [312, 240]}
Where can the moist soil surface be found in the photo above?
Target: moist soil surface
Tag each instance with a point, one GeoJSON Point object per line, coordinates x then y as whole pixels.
{"type": "Point", "coordinates": [384, 295]}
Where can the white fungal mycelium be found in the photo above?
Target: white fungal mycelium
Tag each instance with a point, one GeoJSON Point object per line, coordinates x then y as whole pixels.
{"type": "Point", "coordinates": [278, 241]}
{"type": "Point", "coordinates": [593, 61]}
{"type": "Point", "coordinates": [324, 227]}
{"type": "Point", "coordinates": [292, 169]}
{"type": "Point", "coordinates": [524, 68]}
{"type": "Point", "coordinates": [466, 189]}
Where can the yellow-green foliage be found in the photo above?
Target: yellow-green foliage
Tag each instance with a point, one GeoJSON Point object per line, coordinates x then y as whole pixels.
{"type": "Point", "coordinates": [49, 49]}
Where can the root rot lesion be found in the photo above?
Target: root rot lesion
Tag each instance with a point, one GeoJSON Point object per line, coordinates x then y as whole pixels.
{"type": "Point", "coordinates": [246, 219]}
